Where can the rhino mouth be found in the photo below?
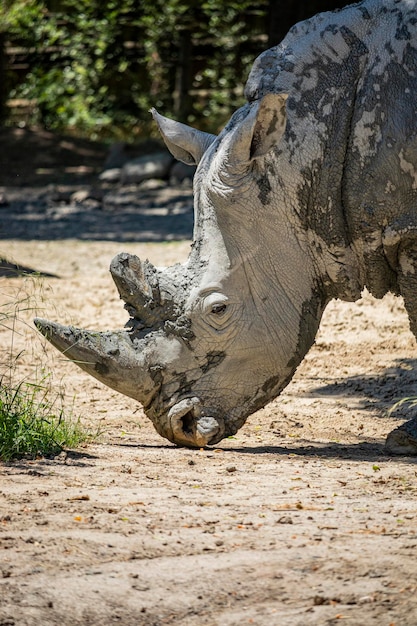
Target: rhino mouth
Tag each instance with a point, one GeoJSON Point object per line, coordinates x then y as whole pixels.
{"type": "Point", "coordinates": [192, 426]}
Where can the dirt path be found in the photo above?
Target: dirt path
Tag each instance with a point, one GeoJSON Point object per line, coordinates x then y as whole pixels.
{"type": "Point", "coordinates": [300, 519]}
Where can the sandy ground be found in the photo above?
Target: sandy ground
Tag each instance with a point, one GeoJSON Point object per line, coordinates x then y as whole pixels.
{"type": "Point", "coordinates": [300, 519]}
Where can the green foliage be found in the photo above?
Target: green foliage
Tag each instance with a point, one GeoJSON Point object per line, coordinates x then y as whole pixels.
{"type": "Point", "coordinates": [75, 64]}
{"type": "Point", "coordinates": [34, 419]}
{"type": "Point", "coordinates": [32, 425]}
{"type": "Point", "coordinates": [98, 67]}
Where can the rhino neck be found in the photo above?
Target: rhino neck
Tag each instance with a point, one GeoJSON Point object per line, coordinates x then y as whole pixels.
{"type": "Point", "coordinates": [271, 265]}
{"type": "Point", "coordinates": [316, 176]}
{"type": "Point", "coordinates": [308, 186]}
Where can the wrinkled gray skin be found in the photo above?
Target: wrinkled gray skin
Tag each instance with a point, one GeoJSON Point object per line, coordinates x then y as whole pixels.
{"type": "Point", "coordinates": [308, 194]}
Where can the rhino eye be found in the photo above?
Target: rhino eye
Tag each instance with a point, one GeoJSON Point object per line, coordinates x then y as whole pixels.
{"type": "Point", "coordinates": [218, 309]}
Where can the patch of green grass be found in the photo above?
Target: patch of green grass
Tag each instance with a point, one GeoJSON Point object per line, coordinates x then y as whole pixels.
{"type": "Point", "coordinates": [35, 421]}
{"type": "Point", "coordinates": [31, 425]}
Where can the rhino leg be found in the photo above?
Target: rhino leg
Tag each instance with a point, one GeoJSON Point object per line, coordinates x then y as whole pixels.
{"type": "Point", "coordinates": [400, 247]}
{"type": "Point", "coordinates": [403, 440]}
{"type": "Point", "coordinates": [407, 282]}
{"type": "Point", "coordinates": [401, 250]}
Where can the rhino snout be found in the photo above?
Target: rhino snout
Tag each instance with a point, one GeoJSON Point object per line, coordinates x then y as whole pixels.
{"type": "Point", "coordinates": [191, 427]}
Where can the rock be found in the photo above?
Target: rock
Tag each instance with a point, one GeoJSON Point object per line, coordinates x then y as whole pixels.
{"type": "Point", "coordinates": [152, 184]}
{"type": "Point", "coordinates": [150, 166]}
{"type": "Point", "coordinates": [80, 196]}
{"type": "Point", "coordinates": [58, 194]}
{"type": "Point", "coordinates": [403, 440]}
{"type": "Point", "coordinates": [3, 200]}
{"type": "Point", "coordinates": [89, 198]}
{"type": "Point", "coordinates": [111, 176]}
{"type": "Point", "coordinates": [117, 156]}
{"type": "Point", "coordinates": [121, 152]}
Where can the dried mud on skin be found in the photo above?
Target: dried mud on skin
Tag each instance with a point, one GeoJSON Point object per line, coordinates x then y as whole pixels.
{"type": "Point", "coordinates": [299, 519]}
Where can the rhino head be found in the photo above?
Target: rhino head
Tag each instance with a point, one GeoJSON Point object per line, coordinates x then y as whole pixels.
{"type": "Point", "coordinates": [211, 341]}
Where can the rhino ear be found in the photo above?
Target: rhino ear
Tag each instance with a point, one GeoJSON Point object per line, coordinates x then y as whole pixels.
{"type": "Point", "coordinates": [185, 143]}
{"type": "Point", "coordinates": [270, 124]}
{"type": "Point", "coordinates": [260, 131]}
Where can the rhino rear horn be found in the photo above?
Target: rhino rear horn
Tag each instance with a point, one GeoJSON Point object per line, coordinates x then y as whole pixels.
{"type": "Point", "coordinates": [138, 286]}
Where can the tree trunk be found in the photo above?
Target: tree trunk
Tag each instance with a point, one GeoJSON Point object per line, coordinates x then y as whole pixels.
{"type": "Point", "coordinates": [183, 78]}
{"type": "Point", "coordinates": [3, 78]}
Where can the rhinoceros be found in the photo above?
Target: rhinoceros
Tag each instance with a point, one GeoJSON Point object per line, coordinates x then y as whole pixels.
{"type": "Point", "coordinates": [309, 193]}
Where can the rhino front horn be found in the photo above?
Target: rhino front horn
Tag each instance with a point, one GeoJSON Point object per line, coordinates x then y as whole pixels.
{"type": "Point", "coordinates": [111, 357]}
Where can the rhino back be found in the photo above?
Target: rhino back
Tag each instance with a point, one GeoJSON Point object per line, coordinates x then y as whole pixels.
{"type": "Point", "coordinates": [351, 79]}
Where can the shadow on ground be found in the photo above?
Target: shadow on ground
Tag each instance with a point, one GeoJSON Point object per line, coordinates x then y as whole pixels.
{"type": "Point", "coordinates": [393, 392]}
{"type": "Point", "coordinates": [41, 174]}
{"type": "Point", "coordinates": [30, 221]}
{"type": "Point", "coordinates": [38, 157]}
{"type": "Point", "coordinates": [11, 270]}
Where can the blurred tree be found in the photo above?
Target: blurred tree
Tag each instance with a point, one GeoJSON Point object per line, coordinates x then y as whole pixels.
{"type": "Point", "coordinates": [85, 61]}
{"type": "Point", "coordinates": [3, 77]}
{"type": "Point", "coordinates": [283, 15]}
{"type": "Point", "coordinates": [204, 50]}
{"type": "Point", "coordinates": [98, 67]}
